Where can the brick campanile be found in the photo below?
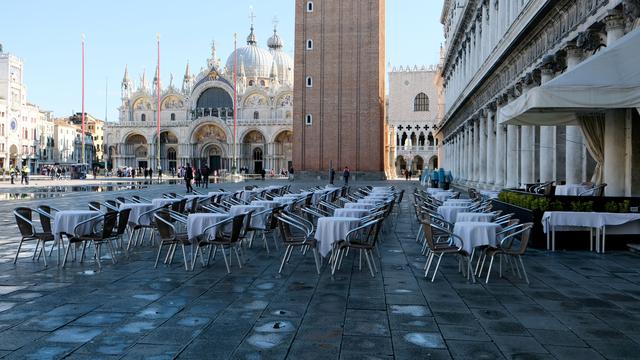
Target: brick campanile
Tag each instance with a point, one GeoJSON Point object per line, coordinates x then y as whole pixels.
{"type": "Point", "coordinates": [339, 87]}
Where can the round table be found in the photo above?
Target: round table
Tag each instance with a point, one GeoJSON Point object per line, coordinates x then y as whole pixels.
{"type": "Point", "coordinates": [196, 223]}
{"type": "Point", "coordinates": [471, 216]}
{"type": "Point", "coordinates": [256, 221]}
{"type": "Point", "coordinates": [475, 234]}
{"type": "Point", "coordinates": [352, 213]}
{"type": "Point", "coordinates": [450, 212]}
{"type": "Point", "coordinates": [136, 210]}
{"type": "Point", "coordinates": [332, 229]}
{"type": "Point", "coordinates": [65, 222]}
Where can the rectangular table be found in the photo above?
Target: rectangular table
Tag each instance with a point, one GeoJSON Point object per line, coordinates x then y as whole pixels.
{"type": "Point", "coordinates": [196, 223]}
{"type": "Point", "coordinates": [332, 229]}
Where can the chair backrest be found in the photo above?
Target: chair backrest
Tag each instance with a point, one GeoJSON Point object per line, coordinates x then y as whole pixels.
{"type": "Point", "coordinates": [237, 226]}
{"type": "Point", "coordinates": [121, 199]}
{"type": "Point", "coordinates": [273, 219]}
{"type": "Point", "coordinates": [247, 223]}
{"type": "Point", "coordinates": [23, 219]}
{"type": "Point", "coordinates": [164, 226]}
{"type": "Point", "coordinates": [110, 221]}
{"type": "Point", "coordinates": [45, 220]}
{"type": "Point", "coordinates": [111, 205]}
{"type": "Point", "coordinates": [123, 220]}
{"type": "Point", "coordinates": [523, 232]}
{"type": "Point", "coordinates": [94, 205]}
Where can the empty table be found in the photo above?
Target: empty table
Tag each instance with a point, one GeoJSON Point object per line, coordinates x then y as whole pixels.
{"type": "Point", "coordinates": [65, 222]}
{"type": "Point", "coordinates": [332, 229]}
{"type": "Point", "coordinates": [162, 202]}
{"type": "Point", "coordinates": [462, 202]}
{"type": "Point", "coordinates": [256, 221]}
{"type": "Point", "coordinates": [475, 234]}
{"type": "Point", "coordinates": [471, 216]}
{"type": "Point", "coordinates": [136, 210]}
{"type": "Point", "coordinates": [196, 223]}
{"type": "Point", "coordinates": [269, 204]}
{"type": "Point", "coordinates": [350, 212]}
{"type": "Point", "coordinates": [364, 206]}
{"type": "Point", "coordinates": [571, 189]}
{"type": "Point", "coordinates": [450, 212]}
{"type": "Point", "coordinates": [442, 196]}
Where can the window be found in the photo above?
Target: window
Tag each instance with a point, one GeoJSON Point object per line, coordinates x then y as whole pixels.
{"type": "Point", "coordinates": [256, 115]}
{"type": "Point", "coordinates": [143, 117]}
{"type": "Point", "coordinates": [421, 102]}
{"type": "Point", "coordinates": [251, 83]}
{"type": "Point", "coordinates": [262, 83]}
{"type": "Point", "coordinates": [309, 44]}
{"type": "Point", "coordinates": [308, 120]}
{"type": "Point", "coordinates": [309, 6]}
{"type": "Point", "coordinates": [173, 116]}
{"type": "Point", "coordinates": [309, 81]}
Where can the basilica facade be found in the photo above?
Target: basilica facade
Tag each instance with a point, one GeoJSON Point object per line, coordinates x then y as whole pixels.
{"type": "Point", "coordinates": [197, 118]}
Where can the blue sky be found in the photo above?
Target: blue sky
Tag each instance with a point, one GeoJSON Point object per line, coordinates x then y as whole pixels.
{"type": "Point", "coordinates": [47, 36]}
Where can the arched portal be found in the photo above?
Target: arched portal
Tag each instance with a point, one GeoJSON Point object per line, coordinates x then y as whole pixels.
{"type": "Point", "coordinates": [168, 141]}
{"type": "Point", "coordinates": [136, 154]}
{"type": "Point", "coordinates": [283, 151]}
{"type": "Point", "coordinates": [401, 166]}
{"type": "Point", "coordinates": [417, 165]}
{"type": "Point", "coordinates": [13, 155]}
{"type": "Point", "coordinates": [214, 102]}
{"type": "Point", "coordinates": [253, 140]}
{"type": "Point", "coordinates": [433, 162]}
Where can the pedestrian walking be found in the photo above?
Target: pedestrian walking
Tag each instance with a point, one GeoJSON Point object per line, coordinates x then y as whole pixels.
{"type": "Point", "coordinates": [291, 177]}
{"type": "Point", "coordinates": [206, 172]}
{"type": "Point", "coordinates": [12, 174]}
{"type": "Point", "coordinates": [332, 175]}
{"type": "Point", "coordinates": [345, 175]}
{"type": "Point", "coordinates": [151, 175]}
{"type": "Point", "coordinates": [198, 178]}
{"type": "Point", "coordinates": [188, 176]}
{"type": "Point", "coordinates": [25, 174]}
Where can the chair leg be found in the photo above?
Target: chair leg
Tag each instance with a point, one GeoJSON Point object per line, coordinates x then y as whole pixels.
{"type": "Point", "coordinates": [489, 270]}
{"type": "Point", "coordinates": [366, 256]}
{"type": "Point", "coordinates": [235, 248]}
{"type": "Point", "coordinates": [427, 265]}
{"type": "Point", "coordinates": [266, 244]}
{"type": "Point", "coordinates": [316, 258]}
{"type": "Point", "coordinates": [226, 263]}
{"type": "Point", "coordinates": [96, 247]}
{"type": "Point", "coordinates": [184, 257]}
{"type": "Point", "coordinates": [437, 266]}
{"type": "Point", "coordinates": [66, 254]}
{"type": "Point", "coordinates": [18, 252]}
{"type": "Point", "coordinates": [373, 262]}
{"type": "Point", "coordinates": [155, 266]}
{"type": "Point", "coordinates": [284, 258]}
{"type": "Point", "coordinates": [35, 251]}
{"type": "Point", "coordinates": [524, 271]}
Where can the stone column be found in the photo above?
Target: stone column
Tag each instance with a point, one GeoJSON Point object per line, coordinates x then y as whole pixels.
{"type": "Point", "coordinates": [614, 26]}
{"type": "Point", "coordinates": [547, 141]}
{"type": "Point", "coordinates": [615, 152]}
{"type": "Point", "coordinates": [574, 150]}
{"type": "Point", "coordinates": [476, 150]}
{"type": "Point", "coordinates": [501, 157]}
{"type": "Point", "coordinates": [482, 163]}
{"type": "Point", "coordinates": [469, 152]}
{"type": "Point", "coordinates": [491, 146]}
{"type": "Point", "coordinates": [527, 156]}
{"type": "Point", "coordinates": [512, 157]}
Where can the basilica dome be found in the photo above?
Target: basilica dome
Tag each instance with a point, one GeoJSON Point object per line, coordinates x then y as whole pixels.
{"type": "Point", "coordinates": [283, 61]}
{"type": "Point", "coordinates": [256, 61]}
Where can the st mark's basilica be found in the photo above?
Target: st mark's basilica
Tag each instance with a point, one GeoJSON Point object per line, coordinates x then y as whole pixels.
{"type": "Point", "coordinates": [196, 119]}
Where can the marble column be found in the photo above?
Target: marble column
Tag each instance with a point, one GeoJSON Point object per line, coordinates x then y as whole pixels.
{"type": "Point", "coordinates": [482, 160]}
{"type": "Point", "coordinates": [615, 152]}
{"type": "Point", "coordinates": [470, 154]}
{"type": "Point", "coordinates": [512, 157]}
{"type": "Point", "coordinates": [547, 141]}
{"type": "Point", "coordinates": [574, 150]}
{"type": "Point", "coordinates": [501, 158]}
{"type": "Point", "coordinates": [491, 146]}
{"type": "Point", "coordinates": [527, 156]}
{"type": "Point", "coordinates": [476, 150]}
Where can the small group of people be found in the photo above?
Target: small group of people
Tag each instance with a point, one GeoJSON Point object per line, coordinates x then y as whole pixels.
{"type": "Point", "coordinates": [200, 177]}
{"type": "Point", "coordinates": [23, 172]}
{"type": "Point", "coordinates": [55, 172]}
{"type": "Point", "coordinates": [345, 175]}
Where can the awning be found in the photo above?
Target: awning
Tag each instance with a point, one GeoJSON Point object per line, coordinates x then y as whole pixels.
{"type": "Point", "coordinates": [609, 79]}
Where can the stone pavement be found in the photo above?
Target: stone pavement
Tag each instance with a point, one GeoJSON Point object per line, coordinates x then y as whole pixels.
{"type": "Point", "coordinates": [579, 305]}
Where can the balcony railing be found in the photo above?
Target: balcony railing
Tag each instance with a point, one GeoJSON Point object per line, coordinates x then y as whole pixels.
{"type": "Point", "coordinates": [414, 149]}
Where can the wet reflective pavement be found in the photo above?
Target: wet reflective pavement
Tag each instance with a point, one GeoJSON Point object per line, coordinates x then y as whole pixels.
{"type": "Point", "coordinates": [578, 306]}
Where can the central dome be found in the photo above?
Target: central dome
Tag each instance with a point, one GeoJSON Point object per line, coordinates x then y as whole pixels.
{"type": "Point", "coordinates": [257, 62]}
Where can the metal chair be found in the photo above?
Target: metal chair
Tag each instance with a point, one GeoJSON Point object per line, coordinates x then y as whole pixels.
{"type": "Point", "coordinates": [97, 236]}
{"type": "Point", "coordinates": [170, 237]}
{"type": "Point", "coordinates": [225, 236]}
{"type": "Point", "coordinates": [29, 233]}
{"type": "Point", "coordinates": [295, 234]}
{"type": "Point", "coordinates": [362, 238]}
{"type": "Point", "coordinates": [507, 248]}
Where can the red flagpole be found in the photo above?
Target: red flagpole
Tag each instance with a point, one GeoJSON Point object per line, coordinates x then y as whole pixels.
{"type": "Point", "coordinates": [158, 112]}
{"type": "Point", "coordinates": [83, 133]}
{"type": "Point", "coordinates": [235, 99]}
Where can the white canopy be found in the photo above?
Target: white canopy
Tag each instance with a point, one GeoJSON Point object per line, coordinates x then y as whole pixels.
{"type": "Point", "coordinates": [609, 79]}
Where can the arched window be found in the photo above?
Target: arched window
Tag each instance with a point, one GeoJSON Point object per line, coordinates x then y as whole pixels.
{"type": "Point", "coordinates": [171, 154]}
{"type": "Point", "coordinates": [257, 154]}
{"type": "Point", "coordinates": [173, 116]}
{"type": "Point", "coordinates": [251, 82]}
{"type": "Point", "coordinates": [421, 102]}
{"type": "Point", "coordinates": [143, 117]}
{"type": "Point", "coordinates": [403, 141]}
{"type": "Point", "coordinates": [430, 139]}
{"type": "Point", "coordinates": [309, 81]}
{"type": "Point", "coordinates": [309, 6]}
{"type": "Point", "coordinates": [256, 115]}
{"type": "Point", "coordinates": [308, 120]}
{"type": "Point", "coordinates": [421, 139]}
{"type": "Point", "coordinates": [309, 44]}
{"type": "Point", "coordinates": [262, 83]}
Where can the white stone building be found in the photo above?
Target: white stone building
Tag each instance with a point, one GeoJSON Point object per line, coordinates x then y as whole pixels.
{"type": "Point", "coordinates": [196, 120]}
{"type": "Point", "coordinates": [499, 54]}
{"type": "Point", "coordinates": [412, 116]}
{"type": "Point", "coordinates": [22, 139]}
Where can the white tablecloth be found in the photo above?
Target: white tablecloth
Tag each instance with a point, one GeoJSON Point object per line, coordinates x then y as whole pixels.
{"type": "Point", "coordinates": [136, 210]}
{"type": "Point", "coordinates": [450, 212]}
{"type": "Point", "coordinates": [459, 202]}
{"type": "Point", "coordinates": [65, 221]}
{"type": "Point", "coordinates": [370, 201]}
{"type": "Point", "coordinates": [248, 195]}
{"type": "Point", "coordinates": [266, 203]}
{"type": "Point", "coordinates": [384, 189]}
{"type": "Point", "coordinates": [476, 234]}
{"type": "Point", "coordinates": [352, 213]}
{"type": "Point", "coordinates": [332, 229]}
{"type": "Point", "coordinates": [256, 221]}
{"type": "Point", "coordinates": [489, 194]}
{"type": "Point", "coordinates": [225, 194]}
{"type": "Point", "coordinates": [585, 219]}
{"type": "Point", "coordinates": [571, 189]}
{"type": "Point", "coordinates": [196, 223]}
{"type": "Point", "coordinates": [162, 202]}
{"type": "Point", "coordinates": [442, 196]}
{"type": "Point", "coordinates": [477, 217]}
{"type": "Point", "coordinates": [432, 191]}
{"type": "Point", "coordinates": [363, 206]}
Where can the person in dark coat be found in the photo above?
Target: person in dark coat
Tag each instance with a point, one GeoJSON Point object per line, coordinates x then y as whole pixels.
{"type": "Point", "coordinates": [188, 176]}
{"type": "Point", "coordinates": [205, 176]}
{"type": "Point", "coordinates": [332, 175]}
{"type": "Point", "coordinates": [345, 175]}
